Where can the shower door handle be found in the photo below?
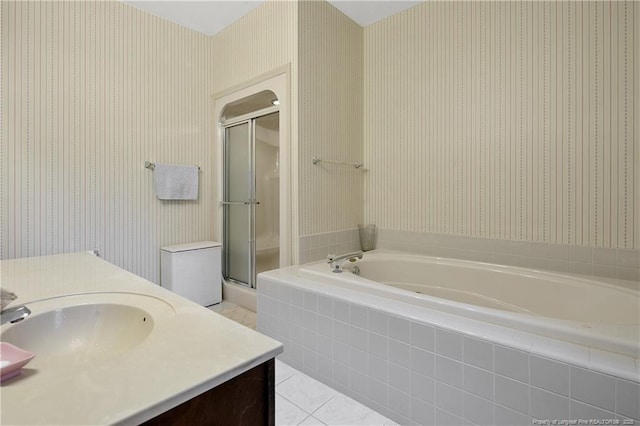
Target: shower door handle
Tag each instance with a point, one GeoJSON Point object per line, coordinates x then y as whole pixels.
{"type": "Point", "coordinates": [237, 203]}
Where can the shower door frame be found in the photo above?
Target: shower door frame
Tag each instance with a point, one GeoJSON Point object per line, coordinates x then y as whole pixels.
{"type": "Point", "coordinates": [250, 120]}
{"type": "Point", "coordinates": [279, 81]}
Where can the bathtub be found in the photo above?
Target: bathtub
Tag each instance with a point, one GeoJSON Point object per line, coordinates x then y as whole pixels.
{"type": "Point", "coordinates": [433, 340]}
{"type": "Point", "coordinates": [571, 308]}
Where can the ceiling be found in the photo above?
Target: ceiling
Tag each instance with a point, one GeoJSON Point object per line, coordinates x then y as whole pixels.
{"type": "Point", "coordinates": [211, 16]}
{"type": "Point", "coordinates": [366, 12]}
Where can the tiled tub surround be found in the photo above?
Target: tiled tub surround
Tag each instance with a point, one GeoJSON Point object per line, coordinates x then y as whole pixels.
{"type": "Point", "coordinates": [623, 264]}
{"type": "Point", "coordinates": [317, 246]}
{"type": "Point", "coordinates": [421, 366]}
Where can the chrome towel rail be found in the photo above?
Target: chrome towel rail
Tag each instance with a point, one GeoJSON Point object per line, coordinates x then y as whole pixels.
{"type": "Point", "coordinates": [151, 166]}
{"type": "Point", "coordinates": [315, 160]}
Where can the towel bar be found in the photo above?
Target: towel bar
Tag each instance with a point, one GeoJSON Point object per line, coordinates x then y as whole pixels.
{"type": "Point", "coordinates": [316, 160]}
{"type": "Point", "coordinates": [149, 165]}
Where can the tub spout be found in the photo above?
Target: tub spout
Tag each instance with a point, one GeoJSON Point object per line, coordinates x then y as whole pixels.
{"type": "Point", "coordinates": [337, 262]}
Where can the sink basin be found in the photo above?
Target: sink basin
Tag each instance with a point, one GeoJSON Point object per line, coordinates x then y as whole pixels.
{"type": "Point", "coordinates": [79, 329]}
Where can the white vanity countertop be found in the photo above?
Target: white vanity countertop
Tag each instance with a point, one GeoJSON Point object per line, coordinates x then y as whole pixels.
{"type": "Point", "coordinates": [185, 355]}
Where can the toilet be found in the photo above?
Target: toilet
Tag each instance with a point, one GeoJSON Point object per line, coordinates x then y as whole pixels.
{"type": "Point", "coordinates": [193, 271]}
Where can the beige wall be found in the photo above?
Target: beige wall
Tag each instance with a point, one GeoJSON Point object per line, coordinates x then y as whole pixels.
{"type": "Point", "coordinates": [506, 120]}
{"type": "Point", "coordinates": [501, 120]}
{"type": "Point", "coordinates": [330, 122]}
{"type": "Point", "coordinates": [93, 89]}
{"type": "Point", "coordinates": [90, 90]}
{"type": "Point", "coordinates": [259, 42]}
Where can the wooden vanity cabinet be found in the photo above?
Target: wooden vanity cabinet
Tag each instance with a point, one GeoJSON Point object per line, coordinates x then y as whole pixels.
{"type": "Point", "coordinates": [247, 399]}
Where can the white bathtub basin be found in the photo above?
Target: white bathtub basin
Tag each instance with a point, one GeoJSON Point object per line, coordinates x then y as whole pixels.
{"type": "Point", "coordinates": [71, 331]}
{"type": "Point", "coordinates": [576, 309]}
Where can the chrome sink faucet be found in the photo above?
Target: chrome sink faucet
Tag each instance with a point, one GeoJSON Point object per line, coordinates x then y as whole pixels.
{"type": "Point", "coordinates": [337, 262]}
{"type": "Point", "coordinates": [14, 314]}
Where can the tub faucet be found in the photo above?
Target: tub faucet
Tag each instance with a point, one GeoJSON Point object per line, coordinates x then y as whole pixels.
{"type": "Point", "coordinates": [336, 262]}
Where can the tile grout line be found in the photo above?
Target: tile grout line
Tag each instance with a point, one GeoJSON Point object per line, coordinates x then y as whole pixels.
{"type": "Point", "coordinates": [284, 380]}
{"type": "Point", "coordinates": [294, 404]}
{"type": "Point", "coordinates": [332, 397]}
{"type": "Point", "coordinates": [310, 416]}
{"type": "Point", "coordinates": [303, 410]}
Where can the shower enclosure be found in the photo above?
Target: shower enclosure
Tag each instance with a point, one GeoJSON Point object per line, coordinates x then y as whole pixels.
{"type": "Point", "coordinates": [251, 193]}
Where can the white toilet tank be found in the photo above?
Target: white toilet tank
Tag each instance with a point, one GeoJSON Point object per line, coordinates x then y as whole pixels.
{"type": "Point", "coordinates": [193, 271]}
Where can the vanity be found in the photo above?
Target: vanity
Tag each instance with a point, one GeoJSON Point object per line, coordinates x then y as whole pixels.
{"type": "Point", "coordinates": [113, 348]}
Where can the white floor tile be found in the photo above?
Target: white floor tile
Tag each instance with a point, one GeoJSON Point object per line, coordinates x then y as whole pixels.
{"type": "Point", "coordinates": [305, 392]}
{"type": "Point", "coordinates": [283, 371]}
{"type": "Point", "coordinates": [287, 414]}
{"type": "Point", "coordinates": [342, 410]}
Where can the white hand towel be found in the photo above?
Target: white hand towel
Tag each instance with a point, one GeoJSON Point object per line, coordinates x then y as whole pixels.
{"type": "Point", "coordinates": [176, 182]}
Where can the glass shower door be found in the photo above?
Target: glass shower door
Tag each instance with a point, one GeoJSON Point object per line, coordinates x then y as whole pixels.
{"type": "Point", "coordinates": [250, 235]}
{"type": "Point", "coordinates": [238, 204]}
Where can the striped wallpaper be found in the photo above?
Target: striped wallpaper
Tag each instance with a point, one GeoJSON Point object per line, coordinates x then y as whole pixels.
{"type": "Point", "coordinates": [261, 41]}
{"type": "Point", "coordinates": [492, 119]}
{"type": "Point", "coordinates": [330, 122]}
{"type": "Point", "coordinates": [508, 120]}
{"type": "Point", "coordinates": [90, 90]}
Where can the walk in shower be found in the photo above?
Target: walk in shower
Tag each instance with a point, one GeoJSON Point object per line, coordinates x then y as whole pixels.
{"type": "Point", "coordinates": [251, 188]}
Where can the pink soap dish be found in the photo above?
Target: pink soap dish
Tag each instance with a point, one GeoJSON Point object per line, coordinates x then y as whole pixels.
{"type": "Point", "coordinates": [12, 359]}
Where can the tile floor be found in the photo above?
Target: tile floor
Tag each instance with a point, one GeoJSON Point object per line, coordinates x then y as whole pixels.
{"type": "Point", "coordinates": [236, 313]}
{"type": "Point", "coordinates": [302, 400]}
